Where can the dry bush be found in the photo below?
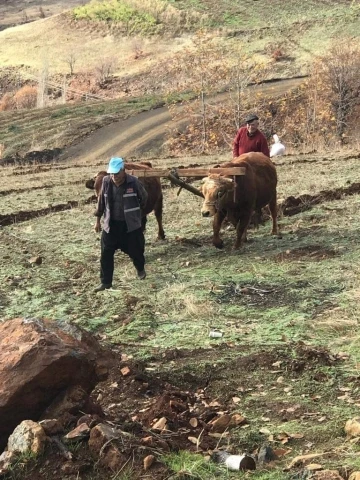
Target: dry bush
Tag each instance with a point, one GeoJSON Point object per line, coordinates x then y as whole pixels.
{"type": "Point", "coordinates": [26, 97]}
{"type": "Point", "coordinates": [104, 69]}
{"type": "Point", "coordinates": [277, 55]}
{"type": "Point", "coordinates": [337, 76]}
{"type": "Point", "coordinates": [80, 84]}
{"type": "Point", "coordinates": [7, 102]}
{"type": "Point", "coordinates": [277, 51]}
{"type": "Point", "coordinates": [137, 47]}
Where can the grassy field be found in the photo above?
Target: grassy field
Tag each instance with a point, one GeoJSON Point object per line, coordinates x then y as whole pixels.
{"type": "Point", "coordinates": [288, 308]}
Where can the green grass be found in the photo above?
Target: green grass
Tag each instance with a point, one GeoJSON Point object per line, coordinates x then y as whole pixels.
{"type": "Point", "coordinates": [186, 465]}
{"type": "Point", "coordinates": [117, 11]}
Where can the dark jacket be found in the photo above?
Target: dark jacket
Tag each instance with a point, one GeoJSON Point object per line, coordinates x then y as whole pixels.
{"type": "Point", "coordinates": [134, 200]}
{"type": "Point", "coordinates": [243, 143]}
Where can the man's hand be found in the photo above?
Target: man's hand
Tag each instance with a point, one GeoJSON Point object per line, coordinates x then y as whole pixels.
{"type": "Point", "coordinates": [97, 226]}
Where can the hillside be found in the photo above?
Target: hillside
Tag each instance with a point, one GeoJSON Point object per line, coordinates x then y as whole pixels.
{"type": "Point", "coordinates": [301, 29]}
{"type": "Point", "coordinates": [280, 37]}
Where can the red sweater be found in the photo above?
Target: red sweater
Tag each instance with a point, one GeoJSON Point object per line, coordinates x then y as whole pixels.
{"type": "Point", "coordinates": [243, 143]}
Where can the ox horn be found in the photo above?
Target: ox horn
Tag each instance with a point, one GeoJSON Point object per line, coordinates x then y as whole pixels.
{"type": "Point", "coordinates": [176, 180]}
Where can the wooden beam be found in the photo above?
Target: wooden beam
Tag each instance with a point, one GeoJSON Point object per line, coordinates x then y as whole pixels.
{"type": "Point", "coordinates": [187, 172]}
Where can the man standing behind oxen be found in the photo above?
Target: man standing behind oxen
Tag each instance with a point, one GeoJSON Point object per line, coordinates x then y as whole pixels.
{"type": "Point", "coordinates": [250, 139]}
{"type": "Point", "coordinates": [121, 200]}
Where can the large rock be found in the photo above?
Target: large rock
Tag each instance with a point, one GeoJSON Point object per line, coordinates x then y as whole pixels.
{"type": "Point", "coordinates": [39, 361]}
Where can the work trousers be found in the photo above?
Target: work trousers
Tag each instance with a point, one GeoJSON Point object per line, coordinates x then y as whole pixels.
{"type": "Point", "coordinates": [118, 238]}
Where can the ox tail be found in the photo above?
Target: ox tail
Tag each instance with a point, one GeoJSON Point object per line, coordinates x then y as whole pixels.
{"type": "Point", "coordinates": [158, 210]}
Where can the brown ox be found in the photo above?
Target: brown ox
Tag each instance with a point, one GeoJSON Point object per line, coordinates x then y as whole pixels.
{"type": "Point", "coordinates": [237, 198]}
{"type": "Point", "coordinates": [152, 186]}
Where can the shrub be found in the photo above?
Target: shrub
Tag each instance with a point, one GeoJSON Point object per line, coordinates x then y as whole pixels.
{"type": "Point", "coordinates": [118, 11]}
{"type": "Point", "coordinates": [26, 97]}
{"type": "Point", "coordinates": [7, 102]}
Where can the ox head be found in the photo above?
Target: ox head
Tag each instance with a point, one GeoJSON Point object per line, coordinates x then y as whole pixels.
{"type": "Point", "coordinates": [214, 188]}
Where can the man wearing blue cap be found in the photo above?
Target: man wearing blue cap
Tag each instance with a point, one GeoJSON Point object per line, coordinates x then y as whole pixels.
{"type": "Point", "coordinates": [121, 200]}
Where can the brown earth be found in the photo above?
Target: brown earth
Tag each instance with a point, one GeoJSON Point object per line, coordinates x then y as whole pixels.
{"type": "Point", "coordinates": [136, 395]}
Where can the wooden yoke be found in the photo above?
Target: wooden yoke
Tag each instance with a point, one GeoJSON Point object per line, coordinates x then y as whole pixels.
{"type": "Point", "coordinates": [174, 175]}
{"type": "Point", "coordinates": [186, 172]}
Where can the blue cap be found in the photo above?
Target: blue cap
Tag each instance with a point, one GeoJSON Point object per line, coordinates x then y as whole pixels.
{"type": "Point", "coordinates": [115, 165]}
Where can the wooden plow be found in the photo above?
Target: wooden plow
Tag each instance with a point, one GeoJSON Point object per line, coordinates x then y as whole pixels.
{"type": "Point", "coordinates": [174, 174]}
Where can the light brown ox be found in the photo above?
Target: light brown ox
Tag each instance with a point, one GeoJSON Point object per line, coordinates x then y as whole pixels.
{"type": "Point", "coordinates": [152, 186]}
{"type": "Point", "coordinates": [237, 198]}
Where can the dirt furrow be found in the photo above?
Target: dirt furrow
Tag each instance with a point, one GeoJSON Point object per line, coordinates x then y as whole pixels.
{"type": "Point", "coordinates": [294, 205]}
{"type": "Point", "coordinates": [289, 207]}
{"type": "Point", "coordinates": [25, 215]}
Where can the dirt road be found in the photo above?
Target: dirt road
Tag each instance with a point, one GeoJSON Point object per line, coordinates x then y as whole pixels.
{"type": "Point", "coordinates": [145, 131]}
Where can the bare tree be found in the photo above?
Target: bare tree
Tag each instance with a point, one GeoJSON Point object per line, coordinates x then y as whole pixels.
{"type": "Point", "coordinates": [70, 60]}
{"type": "Point", "coordinates": [64, 90]}
{"type": "Point", "coordinates": [42, 85]}
{"type": "Point", "coordinates": [105, 68]}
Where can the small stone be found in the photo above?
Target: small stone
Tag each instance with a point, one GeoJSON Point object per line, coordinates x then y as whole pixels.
{"type": "Point", "coordinates": [6, 460]}
{"type": "Point", "coordinates": [89, 420]}
{"type": "Point", "coordinates": [148, 461]}
{"type": "Point", "coordinates": [35, 260]}
{"type": "Point", "coordinates": [326, 475]}
{"type": "Point", "coordinates": [100, 440]}
{"type": "Point", "coordinates": [125, 371]}
{"type": "Point", "coordinates": [51, 426]}
{"type": "Point", "coordinates": [79, 433]}
{"type": "Point", "coordinates": [352, 427]}
{"type": "Point", "coordinates": [160, 424]}
{"type": "Point", "coordinates": [266, 455]}
{"type": "Point", "coordinates": [29, 436]}
{"type": "Point", "coordinates": [220, 424]}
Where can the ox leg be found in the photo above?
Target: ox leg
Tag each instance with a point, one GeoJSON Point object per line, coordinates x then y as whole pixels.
{"type": "Point", "coordinates": [218, 220]}
{"type": "Point", "coordinates": [241, 229]}
{"type": "Point", "coordinates": [273, 213]}
{"type": "Point", "coordinates": [143, 223]}
{"type": "Point", "coordinates": [158, 215]}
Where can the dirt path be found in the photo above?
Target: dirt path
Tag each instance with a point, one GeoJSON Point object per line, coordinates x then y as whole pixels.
{"type": "Point", "coordinates": [141, 133]}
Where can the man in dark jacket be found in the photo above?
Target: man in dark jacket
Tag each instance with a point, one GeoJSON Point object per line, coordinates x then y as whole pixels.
{"type": "Point", "coordinates": [121, 200]}
{"type": "Point", "coordinates": [250, 139]}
